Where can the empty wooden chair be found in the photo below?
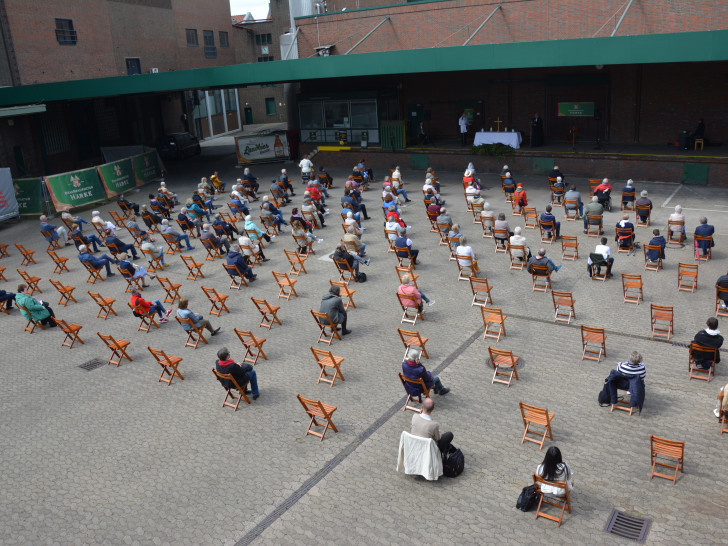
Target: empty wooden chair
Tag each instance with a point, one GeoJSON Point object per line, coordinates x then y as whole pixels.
{"type": "Point", "coordinates": [71, 331]}
{"type": "Point", "coordinates": [666, 454]}
{"type": "Point", "coordinates": [268, 312]}
{"type": "Point", "coordinates": [31, 324]}
{"type": "Point", "coordinates": [591, 339]}
{"type": "Point", "coordinates": [534, 418]}
{"type": "Point", "coordinates": [632, 288]}
{"type": "Point", "coordinates": [194, 268]}
{"type": "Point", "coordinates": [2, 274]}
{"type": "Point", "coordinates": [564, 503]}
{"type": "Point", "coordinates": [493, 316]}
{"type": "Point", "coordinates": [253, 346]}
{"type": "Point", "coordinates": [548, 231]}
{"type": "Point", "coordinates": [31, 281]}
{"type": "Point", "coordinates": [287, 285]}
{"type": "Point", "coordinates": [661, 319]}
{"type": "Point", "coordinates": [147, 318]}
{"type": "Point", "coordinates": [329, 364]}
{"type": "Point", "coordinates": [169, 365]}
{"type": "Point", "coordinates": [708, 240]}
{"type": "Point", "coordinates": [569, 247]}
{"type": "Point", "coordinates": [413, 339]}
{"type": "Point", "coordinates": [346, 293]}
{"type": "Point", "coordinates": [571, 210]}
{"type": "Point", "coordinates": [593, 183]}
{"type": "Point", "coordinates": [60, 262]}
{"type": "Point", "coordinates": [66, 292]}
{"type": "Point", "coordinates": [500, 238]}
{"type": "Point", "coordinates": [4, 250]}
{"type": "Point", "coordinates": [563, 306]}
{"type": "Point", "coordinates": [170, 288]}
{"type": "Point", "coordinates": [504, 365]}
{"type": "Point", "coordinates": [297, 262]}
{"type": "Point", "coordinates": [721, 295]}
{"type": "Point", "coordinates": [700, 354]}
{"type": "Point", "coordinates": [687, 277]}
{"type": "Point", "coordinates": [594, 225]}
{"type": "Point", "coordinates": [118, 348]}
{"type": "Point", "coordinates": [195, 334]}
{"type": "Point", "coordinates": [217, 300]}
{"type": "Point", "coordinates": [652, 265]}
{"type": "Point", "coordinates": [27, 254]}
{"type": "Point", "coordinates": [640, 211]}
{"type": "Point", "coordinates": [328, 329]}
{"type": "Point", "coordinates": [106, 305]}
{"type": "Point", "coordinates": [233, 385]}
{"type": "Point", "coordinates": [541, 278]}
{"type": "Point", "coordinates": [346, 271]}
{"type": "Point", "coordinates": [420, 386]}
{"type": "Point", "coordinates": [530, 217]}
{"type": "Point", "coordinates": [94, 274]}
{"type": "Point", "coordinates": [517, 256]}
{"type": "Point", "coordinates": [316, 410]}
{"type": "Point", "coordinates": [410, 309]}
{"type": "Point", "coordinates": [481, 291]}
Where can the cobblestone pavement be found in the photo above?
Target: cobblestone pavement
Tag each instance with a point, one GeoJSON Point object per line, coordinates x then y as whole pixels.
{"type": "Point", "coordinates": [113, 456]}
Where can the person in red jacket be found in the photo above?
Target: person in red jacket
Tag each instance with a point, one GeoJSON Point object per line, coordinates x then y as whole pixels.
{"type": "Point", "coordinates": [144, 307]}
{"type": "Point", "coordinates": [520, 197]}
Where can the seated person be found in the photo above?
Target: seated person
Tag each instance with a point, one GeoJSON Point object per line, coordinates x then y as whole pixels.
{"type": "Point", "coordinates": [324, 177]}
{"type": "Point", "coordinates": [149, 246]}
{"type": "Point", "coordinates": [150, 218]}
{"type": "Point", "coordinates": [593, 208]}
{"type": "Point", "coordinates": [486, 216]}
{"type": "Point", "coordinates": [250, 183]}
{"type": "Point", "coordinates": [158, 204]}
{"type": "Point", "coordinates": [133, 206]}
{"type": "Point", "coordinates": [131, 271]}
{"type": "Point", "coordinates": [389, 203]}
{"type": "Point", "coordinates": [8, 298]}
{"type": "Point", "coordinates": [165, 191]}
{"type": "Point", "coordinates": [68, 217]}
{"type": "Point", "coordinates": [502, 223]}
{"type": "Point", "coordinates": [97, 262]}
{"type": "Point", "coordinates": [208, 236]}
{"type": "Point", "coordinates": [603, 191]}
{"type": "Point", "coordinates": [478, 202]}
{"type": "Point", "coordinates": [425, 427]}
{"type": "Point", "coordinates": [444, 218]}
{"type": "Point", "coordinates": [216, 182]}
{"type": "Point", "coordinates": [605, 252]}
{"type": "Point", "coordinates": [573, 195]}
{"type": "Point", "coordinates": [235, 257]}
{"type": "Point", "coordinates": [628, 199]}
{"type": "Point", "coordinates": [132, 225]}
{"type": "Point", "coordinates": [723, 283]}
{"type": "Point", "coordinates": [721, 407]}
{"type": "Point", "coordinates": [313, 192]}
{"type": "Point", "coordinates": [201, 200]}
{"type": "Point", "coordinates": [518, 239]}
{"type": "Point", "coordinates": [629, 376]}
{"type": "Point", "coordinates": [412, 368]}
{"type": "Point", "coordinates": [705, 230]}
{"type": "Point", "coordinates": [299, 230]}
{"type": "Point", "coordinates": [432, 178]}
{"type": "Point", "coordinates": [541, 259]}
{"type": "Point", "coordinates": [556, 173]}
{"type": "Point", "coordinates": [148, 307]}
{"type": "Point", "coordinates": [520, 198]}
{"type": "Point", "coordinates": [121, 245]}
{"type": "Point", "coordinates": [358, 208]}
{"type": "Point", "coordinates": [657, 240]}
{"type": "Point", "coordinates": [463, 249]}
{"type": "Point", "coordinates": [239, 204]}
{"type": "Point", "coordinates": [311, 206]}
{"type": "Point", "coordinates": [188, 223]}
{"type": "Point", "coordinates": [268, 210]}
{"type": "Point", "coordinates": [243, 373]}
{"type": "Point", "coordinates": [433, 208]}
{"type": "Point", "coordinates": [471, 191]}
{"type": "Point", "coordinates": [409, 289]}
{"type": "Point", "coordinates": [274, 186]}
{"type": "Point", "coordinates": [548, 217]}
{"type": "Point", "coordinates": [54, 231]}
{"type": "Point", "coordinates": [227, 227]}
{"type": "Point", "coordinates": [342, 254]}
{"type": "Point", "coordinates": [509, 185]}
{"type": "Point", "coordinates": [195, 211]}
{"type": "Point", "coordinates": [104, 226]}
{"type": "Point", "coordinates": [709, 337]}
{"type": "Point", "coordinates": [331, 303]}
{"type": "Point", "coordinates": [77, 235]}
{"type": "Point", "coordinates": [198, 320]}
{"type": "Point", "coordinates": [285, 182]}
{"type": "Point", "coordinates": [643, 201]}
{"type": "Point", "coordinates": [554, 469]}
{"type": "Point", "coordinates": [38, 310]}
{"type": "Point", "coordinates": [678, 216]}
{"type": "Point", "coordinates": [392, 215]}
{"type": "Point", "coordinates": [403, 241]}
{"type": "Point", "coordinates": [251, 226]}
{"type": "Point", "coordinates": [624, 240]}
{"type": "Point", "coordinates": [350, 222]}
{"type": "Point", "coordinates": [179, 238]}
{"type": "Point", "coordinates": [351, 237]}
{"type": "Point", "coordinates": [249, 247]}
{"type": "Point", "coordinates": [559, 189]}
{"type": "Point", "coordinates": [428, 186]}
{"type": "Point", "coordinates": [455, 234]}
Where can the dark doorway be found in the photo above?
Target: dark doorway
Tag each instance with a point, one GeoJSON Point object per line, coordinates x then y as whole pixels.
{"type": "Point", "coordinates": [248, 115]}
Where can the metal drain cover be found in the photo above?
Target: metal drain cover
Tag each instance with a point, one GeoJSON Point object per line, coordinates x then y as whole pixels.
{"type": "Point", "coordinates": [626, 526]}
{"type": "Point", "coordinates": [92, 364]}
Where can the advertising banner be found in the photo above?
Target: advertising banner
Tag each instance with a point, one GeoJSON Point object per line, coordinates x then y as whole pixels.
{"type": "Point", "coordinates": [29, 195]}
{"type": "Point", "coordinates": [578, 109]}
{"type": "Point", "coordinates": [261, 148]}
{"type": "Point", "coordinates": [8, 203]}
{"type": "Point", "coordinates": [146, 167]}
{"type": "Point", "coordinates": [117, 176]}
{"type": "Point", "coordinates": [75, 188]}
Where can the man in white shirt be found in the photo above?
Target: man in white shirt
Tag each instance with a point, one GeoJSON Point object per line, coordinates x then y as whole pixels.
{"type": "Point", "coordinates": [470, 192]}
{"type": "Point", "coordinates": [604, 250]}
{"type": "Point", "coordinates": [465, 250]}
{"type": "Point", "coordinates": [306, 168]}
{"type": "Point", "coordinates": [425, 427]}
{"type": "Point", "coordinates": [518, 239]}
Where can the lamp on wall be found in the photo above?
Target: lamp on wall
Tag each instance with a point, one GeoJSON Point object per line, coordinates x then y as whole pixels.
{"type": "Point", "coordinates": [598, 66]}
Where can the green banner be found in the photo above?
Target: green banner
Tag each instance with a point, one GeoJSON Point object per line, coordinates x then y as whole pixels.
{"type": "Point", "coordinates": [146, 167]}
{"type": "Point", "coordinates": [75, 188]}
{"type": "Point", "coordinates": [117, 176]}
{"type": "Point", "coordinates": [29, 195]}
{"type": "Point", "coordinates": [578, 109]}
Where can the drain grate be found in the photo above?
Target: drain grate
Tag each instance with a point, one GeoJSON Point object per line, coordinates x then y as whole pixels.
{"type": "Point", "coordinates": [92, 364]}
{"type": "Point", "coordinates": [625, 526]}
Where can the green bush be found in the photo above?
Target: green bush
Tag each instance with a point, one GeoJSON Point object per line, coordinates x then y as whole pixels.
{"type": "Point", "coordinates": [496, 150]}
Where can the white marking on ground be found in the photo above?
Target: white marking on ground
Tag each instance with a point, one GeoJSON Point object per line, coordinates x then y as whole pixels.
{"type": "Point", "coordinates": [664, 204]}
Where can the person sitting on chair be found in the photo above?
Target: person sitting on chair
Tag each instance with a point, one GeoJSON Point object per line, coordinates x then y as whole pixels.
{"type": "Point", "coordinates": [235, 257]}
{"type": "Point", "coordinates": [556, 173]}
{"type": "Point", "coordinates": [7, 298]}
{"type": "Point", "coordinates": [604, 250]}
{"type": "Point", "coordinates": [502, 223]}
{"type": "Point", "coordinates": [150, 218]}
{"type": "Point", "coordinates": [657, 240]}
{"type": "Point", "coordinates": [243, 373]}
{"type": "Point", "coordinates": [444, 218]}
{"type": "Point", "coordinates": [456, 235]}
{"type": "Point", "coordinates": [628, 200]}
{"type": "Point", "coordinates": [709, 337]}
{"type": "Point", "coordinates": [509, 185]}
{"type": "Point", "coordinates": [148, 307]}
{"type": "Point", "coordinates": [40, 311]}
{"type": "Point", "coordinates": [463, 249]}
{"type": "Point", "coordinates": [342, 253]}
{"type": "Point", "coordinates": [518, 239]}
{"type": "Point", "coordinates": [678, 216]}
{"type": "Point", "coordinates": [554, 469]}
{"type": "Point", "coordinates": [331, 303]}
{"type": "Point", "coordinates": [217, 242]}
{"type": "Point", "coordinates": [573, 195]}
{"type": "Point", "coordinates": [156, 251]}
{"type": "Point", "coordinates": [121, 245]}
{"type": "Point", "coordinates": [131, 271]}
{"type": "Point", "coordinates": [425, 427]}
{"type": "Point", "coordinates": [548, 217]}
{"type": "Point", "coordinates": [722, 282]}
{"type": "Point", "coordinates": [179, 238]}
{"type": "Point", "coordinates": [409, 289]}
{"type": "Point", "coordinates": [412, 368]}
{"type": "Point", "coordinates": [76, 233]}
{"type": "Point", "coordinates": [603, 192]}
{"type": "Point", "coordinates": [154, 202]}
{"type": "Point", "coordinates": [105, 226]}
{"type": "Point", "coordinates": [643, 201]}
{"type": "Point", "coordinates": [96, 261]}
{"type": "Point", "coordinates": [252, 248]}
{"type": "Point", "coordinates": [721, 407]}
{"type": "Point", "coordinates": [355, 240]}
{"type": "Point", "coordinates": [559, 190]}
{"type": "Point", "coordinates": [403, 241]}
{"type": "Point", "coordinates": [133, 206]}
{"type": "Point", "coordinates": [624, 240]}
{"type": "Point", "coordinates": [68, 217]}
{"type": "Point", "coordinates": [705, 230]}
{"type": "Point", "coordinates": [198, 320]}
{"type": "Point", "coordinates": [541, 259]}
{"type": "Point", "coordinates": [54, 231]}
{"type": "Point", "coordinates": [593, 208]}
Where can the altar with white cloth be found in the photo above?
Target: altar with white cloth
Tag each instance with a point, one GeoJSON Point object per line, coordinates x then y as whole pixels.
{"type": "Point", "coordinates": [512, 139]}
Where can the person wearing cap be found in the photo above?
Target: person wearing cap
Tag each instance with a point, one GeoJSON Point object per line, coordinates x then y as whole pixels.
{"type": "Point", "coordinates": [643, 201]}
{"type": "Point", "coordinates": [403, 241]}
{"type": "Point", "coordinates": [678, 216]}
{"type": "Point", "coordinates": [628, 200]}
{"type": "Point", "coordinates": [705, 230]}
{"type": "Point", "coordinates": [478, 202]}
{"type": "Point", "coordinates": [594, 208]}
{"type": "Point", "coordinates": [315, 195]}
{"type": "Point", "coordinates": [546, 216]}
{"type": "Point", "coordinates": [179, 238]}
{"type": "Point", "coordinates": [469, 179]}
{"type": "Point", "coordinates": [520, 197]}
{"type": "Point", "coordinates": [332, 305]}
{"type": "Point", "coordinates": [505, 170]}
{"type": "Point", "coordinates": [509, 185]}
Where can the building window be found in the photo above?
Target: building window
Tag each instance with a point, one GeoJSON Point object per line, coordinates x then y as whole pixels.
{"type": "Point", "coordinates": [192, 37]}
{"type": "Point", "coordinates": [270, 106]}
{"type": "Point", "coordinates": [208, 37]}
{"type": "Point", "coordinates": [263, 39]}
{"type": "Point", "coordinates": [65, 33]}
{"type": "Point", "coordinates": [224, 41]}
{"type": "Point", "coordinates": [265, 59]}
{"type": "Point", "coordinates": [133, 66]}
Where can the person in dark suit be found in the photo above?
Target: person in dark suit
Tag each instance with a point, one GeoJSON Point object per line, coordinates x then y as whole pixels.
{"type": "Point", "coordinates": [705, 230]}
{"type": "Point", "coordinates": [536, 131]}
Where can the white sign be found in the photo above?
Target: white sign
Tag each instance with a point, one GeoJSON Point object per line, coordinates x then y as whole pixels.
{"type": "Point", "coordinates": [261, 148]}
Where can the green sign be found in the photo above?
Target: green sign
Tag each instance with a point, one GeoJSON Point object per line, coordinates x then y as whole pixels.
{"type": "Point", "coordinates": [29, 195]}
{"type": "Point", "coordinates": [576, 109]}
{"type": "Point", "coordinates": [75, 188]}
{"type": "Point", "coordinates": [117, 176]}
{"type": "Point", "coordinates": [146, 167]}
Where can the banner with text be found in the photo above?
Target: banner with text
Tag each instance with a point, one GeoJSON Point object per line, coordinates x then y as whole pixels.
{"type": "Point", "coordinates": [576, 109]}
{"type": "Point", "coordinates": [75, 188]}
{"type": "Point", "coordinates": [146, 167]}
{"type": "Point", "coordinates": [261, 148]}
{"type": "Point", "coordinates": [117, 176]}
{"type": "Point", "coordinates": [29, 195]}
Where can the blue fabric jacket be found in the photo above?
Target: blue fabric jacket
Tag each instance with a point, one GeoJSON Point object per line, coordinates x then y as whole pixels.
{"type": "Point", "coordinates": [45, 226]}
{"type": "Point", "coordinates": [704, 230]}
{"type": "Point", "coordinates": [653, 254]}
{"type": "Point", "coordinates": [412, 369]}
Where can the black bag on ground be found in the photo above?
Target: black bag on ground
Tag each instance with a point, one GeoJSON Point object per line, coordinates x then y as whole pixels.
{"type": "Point", "coordinates": [453, 462]}
{"type": "Point", "coordinates": [527, 499]}
{"type": "Point", "coordinates": [361, 277]}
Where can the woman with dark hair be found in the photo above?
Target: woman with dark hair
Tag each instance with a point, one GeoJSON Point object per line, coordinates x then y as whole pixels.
{"type": "Point", "coordinates": [554, 469]}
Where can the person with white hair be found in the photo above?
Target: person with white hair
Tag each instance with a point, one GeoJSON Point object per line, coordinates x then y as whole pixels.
{"type": "Point", "coordinates": [678, 216]}
{"type": "Point", "coordinates": [103, 225]}
{"type": "Point", "coordinates": [628, 200]}
{"type": "Point", "coordinates": [249, 247]}
{"type": "Point", "coordinates": [463, 249]}
{"type": "Point", "coordinates": [509, 185]}
{"type": "Point", "coordinates": [97, 262]}
{"type": "Point", "coordinates": [504, 170]}
{"type": "Point", "coordinates": [68, 217]}
{"type": "Point", "coordinates": [412, 368]}
{"type": "Point", "coordinates": [518, 239]}
{"type": "Point", "coordinates": [250, 182]}
{"type": "Point", "coordinates": [486, 216]}
{"type": "Point", "coordinates": [407, 288]}
{"type": "Point", "coordinates": [285, 182]}
{"type": "Point", "coordinates": [350, 221]}
{"type": "Point", "coordinates": [166, 229]}
{"type": "Point", "coordinates": [208, 236]}
{"type": "Point", "coordinates": [429, 185]}
{"type": "Point", "coordinates": [306, 166]}
{"type": "Point", "coordinates": [163, 189]}
{"type": "Point", "coordinates": [471, 191]}
{"type": "Point", "coordinates": [52, 232]}
{"type": "Point", "coordinates": [558, 193]}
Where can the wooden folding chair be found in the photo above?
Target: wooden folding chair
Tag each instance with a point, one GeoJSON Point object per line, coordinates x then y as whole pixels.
{"type": "Point", "coordinates": [268, 312]}
{"type": "Point", "coordinates": [481, 291]}
{"type": "Point", "coordinates": [467, 269]}
{"type": "Point", "coordinates": [328, 362]}
{"type": "Point", "coordinates": [4, 250]}
{"type": "Point", "coordinates": [2, 274]}
{"type": "Point", "coordinates": [543, 498]}
{"type": "Point", "coordinates": [627, 204]}
{"type": "Point", "coordinates": [106, 305]}
{"type": "Point", "coordinates": [632, 288]}
{"type": "Point", "coordinates": [94, 274]}
{"type": "Point", "coordinates": [661, 319]}
{"type": "Point", "coordinates": [432, 217]}
{"type": "Point", "coordinates": [154, 262]}
{"type": "Point", "coordinates": [419, 384]}
{"type": "Point", "coordinates": [31, 281]}
{"type": "Point", "coordinates": [212, 251]}
{"type": "Point", "coordinates": [593, 229]}
{"type": "Point", "coordinates": [172, 244]}
{"type": "Point", "coordinates": [675, 232]}
{"type": "Point", "coordinates": [53, 244]}
{"type": "Point", "coordinates": [306, 246]}
{"type": "Point", "coordinates": [492, 316]}
{"type": "Point", "coordinates": [591, 337]}
{"type": "Point", "coordinates": [504, 365]}
{"type": "Point", "coordinates": [390, 235]}
{"type": "Point", "coordinates": [32, 324]}
{"type": "Point", "coordinates": [254, 258]}
{"type": "Point", "coordinates": [487, 228]}
{"type": "Point", "coordinates": [71, 331]}
{"type": "Point", "coordinates": [194, 268]}
{"type": "Point", "coordinates": [517, 256]}
{"type": "Point", "coordinates": [563, 306]}
{"type": "Point", "coordinates": [118, 348]}
{"type": "Point", "coordinates": [571, 210]}
{"type": "Point", "coordinates": [407, 260]}
{"type": "Point", "coordinates": [60, 262]}
{"type": "Point", "coordinates": [410, 311]}
{"type": "Point", "coordinates": [622, 405]}
{"type": "Point", "coordinates": [593, 183]}
{"type": "Point", "coordinates": [147, 319]}
{"type": "Point", "coordinates": [721, 295]}
{"type": "Point", "coordinates": [287, 285]}
{"type": "Point", "coordinates": [253, 346]}
{"type": "Point", "coordinates": [169, 365]}
{"type": "Point", "coordinates": [269, 225]}
{"type": "Point", "coordinates": [278, 200]}
{"type": "Point", "coordinates": [297, 262]}
{"type": "Point", "coordinates": [113, 248]}
{"type": "Point", "coordinates": [149, 220]}
{"type": "Point", "coordinates": [541, 277]}
{"type": "Point", "coordinates": [476, 209]}
{"type": "Point", "coordinates": [624, 234]}
{"type": "Point", "coordinates": [548, 231]}
{"type": "Point", "coordinates": [318, 410]}
{"type": "Point", "coordinates": [452, 243]}
{"type": "Point", "coordinates": [500, 238]}
{"type": "Point", "coordinates": [597, 262]}
{"type": "Point", "coordinates": [402, 271]}
{"type": "Point", "coordinates": [534, 416]}
{"type": "Point", "coordinates": [229, 390]}
{"type": "Point", "coordinates": [171, 290]}
{"type": "Point", "coordinates": [442, 231]}
{"type": "Point", "coordinates": [645, 210]}
{"type": "Point", "coordinates": [705, 353]}
{"type": "Point", "coordinates": [687, 277]}
{"type": "Point", "coordinates": [137, 236]}
{"type": "Point", "coordinates": [652, 266]}
{"type": "Point", "coordinates": [413, 339]}
{"type": "Point", "coordinates": [132, 283]}
{"type": "Point", "coordinates": [530, 217]}
{"type": "Point", "coordinates": [699, 257]}
{"type": "Point", "coordinates": [346, 293]}
{"type": "Point", "coordinates": [569, 247]}
{"type": "Point", "coordinates": [346, 271]}
{"type": "Point", "coordinates": [662, 453]}
{"type": "Point", "coordinates": [237, 279]}
{"type": "Point", "coordinates": [311, 217]}
{"type": "Point", "coordinates": [66, 293]}
{"type": "Point", "coordinates": [329, 330]}
{"type": "Point", "coordinates": [194, 334]}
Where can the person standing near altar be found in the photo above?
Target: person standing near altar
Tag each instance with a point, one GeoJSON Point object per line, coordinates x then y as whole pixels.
{"type": "Point", "coordinates": [536, 131]}
{"type": "Point", "coordinates": [463, 122]}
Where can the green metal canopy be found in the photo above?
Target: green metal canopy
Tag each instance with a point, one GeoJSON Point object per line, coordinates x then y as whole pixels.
{"type": "Point", "coordinates": [653, 48]}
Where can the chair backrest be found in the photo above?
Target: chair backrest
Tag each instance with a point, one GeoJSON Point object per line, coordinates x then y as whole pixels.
{"type": "Point", "coordinates": [232, 270]}
{"type": "Point", "coordinates": [189, 323]}
{"type": "Point", "coordinates": [492, 311]}
{"type": "Point", "coordinates": [159, 355]}
{"type": "Point", "coordinates": [587, 330]}
{"type": "Point", "coordinates": [704, 352]}
{"type": "Point", "coordinates": [593, 219]}
{"type": "Point", "coordinates": [407, 300]}
{"type": "Point", "coordinates": [211, 293]}
{"type": "Point", "coordinates": [281, 278]}
{"type": "Point", "coordinates": [322, 319]}
{"type": "Point", "coordinates": [540, 270]}
{"type": "Point", "coordinates": [626, 195]}
{"type": "Point", "coordinates": [316, 408]}
{"type": "Point", "coordinates": [535, 411]}
{"type": "Point", "coordinates": [343, 265]}
{"type": "Point", "coordinates": [108, 340]}
{"type": "Point", "coordinates": [418, 384]}
{"type": "Point", "coordinates": [597, 258]}
{"type": "Point", "coordinates": [562, 298]}
{"type": "Point", "coordinates": [510, 359]}
{"type": "Point", "coordinates": [624, 233]}
{"type": "Point", "coordinates": [661, 312]}
{"type": "Point", "coordinates": [643, 210]}
{"type": "Point", "coordinates": [500, 233]}
{"type": "Point", "coordinates": [546, 225]}
{"type": "Point", "coordinates": [571, 203]}
{"type": "Point", "coordinates": [228, 377]}
{"type": "Point", "coordinates": [665, 447]}
{"type": "Point", "coordinates": [403, 270]}
{"type": "Point", "coordinates": [292, 255]}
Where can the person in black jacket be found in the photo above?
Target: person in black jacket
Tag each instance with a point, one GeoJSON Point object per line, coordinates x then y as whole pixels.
{"type": "Point", "coordinates": [709, 337]}
{"type": "Point", "coordinates": [243, 373]}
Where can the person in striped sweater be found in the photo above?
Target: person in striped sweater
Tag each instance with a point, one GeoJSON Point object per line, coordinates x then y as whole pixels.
{"type": "Point", "coordinates": [634, 367]}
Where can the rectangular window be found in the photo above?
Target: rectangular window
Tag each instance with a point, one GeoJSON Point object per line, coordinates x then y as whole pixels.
{"type": "Point", "coordinates": [257, 39]}
{"type": "Point", "coordinates": [65, 33]}
{"type": "Point", "coordinates": [265, 59]}
{"type": "Point", "coordinates": [224, 41]}
{"type": "Point", "coordinates": [269, 39]}
{"type": "Point", "coordinates": [263, 39]}
{"type": "Point", "coordinates": [270, 106]}
{"type": "Point", "coordinates": [208, 37]}
{"type": "Point", "coordinates": [133, 66]}
{"type": "Point", "coordinates": [192, 37]}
